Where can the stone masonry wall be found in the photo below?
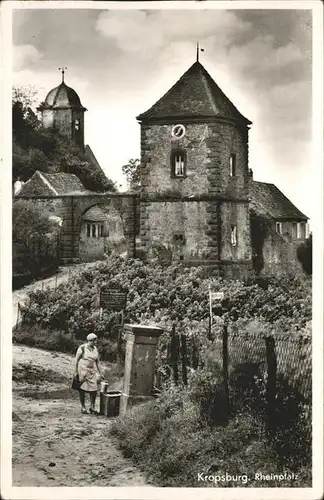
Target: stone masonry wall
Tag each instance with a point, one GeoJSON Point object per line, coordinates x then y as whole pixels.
{"type": "Point", "coordinates": [280, 257]}
{"type": "Point", "coordinates": [280, 254]}
{"type": "Point", "coordinates": [205, 203]}
{"type": "Point", "coordinates": [223, 140]}
{"type": "Point", "coordinates": [156, 146]}
{"type": "Point", "coordinates": [167, 220]}
{"type": "Point", "coordinates": [236, 215]}
{"type": "Point", "coordinates": [63, 121]}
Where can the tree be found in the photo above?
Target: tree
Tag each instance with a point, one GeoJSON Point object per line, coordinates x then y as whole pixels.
{"type": "Point", "coordinates": [35, 239]}
{"type": "Point", "coordinates": [132, 173]}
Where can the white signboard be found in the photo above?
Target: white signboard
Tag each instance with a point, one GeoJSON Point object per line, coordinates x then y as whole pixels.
{"type": "Point", "coordinates": [216, 296]}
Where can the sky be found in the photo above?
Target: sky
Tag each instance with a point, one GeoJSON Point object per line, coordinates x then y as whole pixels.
{"type": "Point", "coordinates": [120, 62]}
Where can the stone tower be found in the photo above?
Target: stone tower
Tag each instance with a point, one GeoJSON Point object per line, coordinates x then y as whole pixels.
{"type": "Point", "coordinates": [194, 176]}
{"type": "Point", "coordinates": [62, 110]}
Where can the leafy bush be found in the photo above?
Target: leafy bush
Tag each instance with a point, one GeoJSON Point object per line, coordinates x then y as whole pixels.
{"type": "Point", "coordinates": [170, 441]}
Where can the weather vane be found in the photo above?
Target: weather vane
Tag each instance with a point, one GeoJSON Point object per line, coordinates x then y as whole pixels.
{"type": "Point", "coordinates": [63, 71]}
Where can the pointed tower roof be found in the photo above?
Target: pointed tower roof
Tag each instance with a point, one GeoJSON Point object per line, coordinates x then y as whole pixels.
{"type": "Point", "coordinates": [194, 95]}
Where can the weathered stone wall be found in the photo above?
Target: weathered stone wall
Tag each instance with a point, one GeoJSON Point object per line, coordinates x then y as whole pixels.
{"type": "Point", "coordinates": [63, 121]}
{"type": "Point", "coordinates": [235, 214]}
{"type": "Point", "coordinates": [157, 144]}
{"type": "Point", "coordinates": [224, 139]}
{"type": "Point", "coordinates": [166, 220]}
{"type": "Point", "coordinates": [280, 254]}
{"type": "Point", "coordinates": [208, 147]}
{"type": "Point", "coordinates": [206, 202]}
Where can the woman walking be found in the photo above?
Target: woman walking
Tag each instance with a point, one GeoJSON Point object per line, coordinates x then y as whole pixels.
{"type": "Point", "coordinates": [88, 371]}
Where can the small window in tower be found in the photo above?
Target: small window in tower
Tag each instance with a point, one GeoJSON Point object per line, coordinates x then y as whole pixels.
{"type": "Point", "coordinates": [232, 165]}
{"type": "Point", "coordinates": [101, 230]}
{"type": "Point", "coordinates": [279, 227]}
{"type": "Point", "coordinates": [93, 230]}
{"type": "Point", "coordinates": [77, 124]}
{"type": "Point", "coordinates": [88, 230]}
{"type": "Point", "coordinates": [234, 236]}
{"type": "Point", "coordinates": [178, 163]}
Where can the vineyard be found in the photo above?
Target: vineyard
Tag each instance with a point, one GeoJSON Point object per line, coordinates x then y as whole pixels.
{"type": "Point", "coordinates": [167, 296]}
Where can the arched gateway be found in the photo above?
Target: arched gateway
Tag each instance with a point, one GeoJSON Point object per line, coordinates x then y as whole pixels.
{"type": "Point", "coordinates": [95, 224]}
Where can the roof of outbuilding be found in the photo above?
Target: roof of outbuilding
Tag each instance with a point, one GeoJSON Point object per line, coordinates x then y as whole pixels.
{"type": "Point", "coordinates": [65, 183]}
{"type": "Point", "coordinates": [43, 184]}
{"type": "Point", "coordinates": [267, 198]}
{"type": "Point", "coordinates": [94, 214]}
{"type": "Point", "coordinates": [195, 94]}
{"type": "Point", "coordinates": [62, 96]}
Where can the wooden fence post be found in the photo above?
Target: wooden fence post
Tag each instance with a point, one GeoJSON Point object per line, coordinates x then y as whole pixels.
{"type": "Point", "coordinates": [271, 384]}
{"type": "Point", "coordinates": [225, 364]}
{"type": "Point", "coordinates": [120, 337]}
{"type": "Point", "coordinates": [195, 356]}
{"type": "Point", "coordinates": [184, 359]}
{"type": "Point", "coordinates": [174, 355]}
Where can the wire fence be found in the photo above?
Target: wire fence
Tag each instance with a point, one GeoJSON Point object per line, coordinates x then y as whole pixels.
{"type": "Point", "coordinates": [270, 375]}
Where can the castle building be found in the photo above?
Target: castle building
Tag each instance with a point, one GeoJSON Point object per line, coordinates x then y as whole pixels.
{"type": "Point", "coordinates": [198, 202]}
{"type": "Point", "coordinates": [62, 110]}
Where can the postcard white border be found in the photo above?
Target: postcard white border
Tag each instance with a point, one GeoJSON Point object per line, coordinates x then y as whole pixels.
{"type": "Point", "coordinates": [141, 493]}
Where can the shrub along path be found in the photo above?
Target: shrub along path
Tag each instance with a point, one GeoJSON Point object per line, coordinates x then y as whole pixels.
{"type": "Point", "coordinates": [53, 444]}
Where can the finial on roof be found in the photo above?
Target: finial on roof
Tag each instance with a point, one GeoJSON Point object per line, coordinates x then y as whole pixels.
{"type": "Point", "coordinates": [63, 71]}
{"type": "Point", "coordinates": [199, 50]}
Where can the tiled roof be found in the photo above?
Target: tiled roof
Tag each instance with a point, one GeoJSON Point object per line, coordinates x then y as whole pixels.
{"type": "Point", "coordinates": [94, 214]}
{"type": "Point", "coordinates": [64, 183]}
{"type": "Point", "coordinates": [268, 199]}
{"type": "Point", "coordinates": [195, 94]}
{"type": "Point", "coordinates": [43, 184]}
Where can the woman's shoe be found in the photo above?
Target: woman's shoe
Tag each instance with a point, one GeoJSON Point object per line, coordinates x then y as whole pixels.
{"type": "Point", "coordinates": [84, 410]}
{"type": "Point", "coordinates": [94, 412]}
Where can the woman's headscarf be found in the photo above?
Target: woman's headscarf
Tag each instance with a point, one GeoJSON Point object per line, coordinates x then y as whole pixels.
{"type": "Point", "coordinates": [91, 336]}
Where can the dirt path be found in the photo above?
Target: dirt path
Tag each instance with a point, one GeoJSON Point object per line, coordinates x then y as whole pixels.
{"type": "Point", "coordinates": [63, 275]}
{"type": "Point", "coordinates": [53, 444]}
